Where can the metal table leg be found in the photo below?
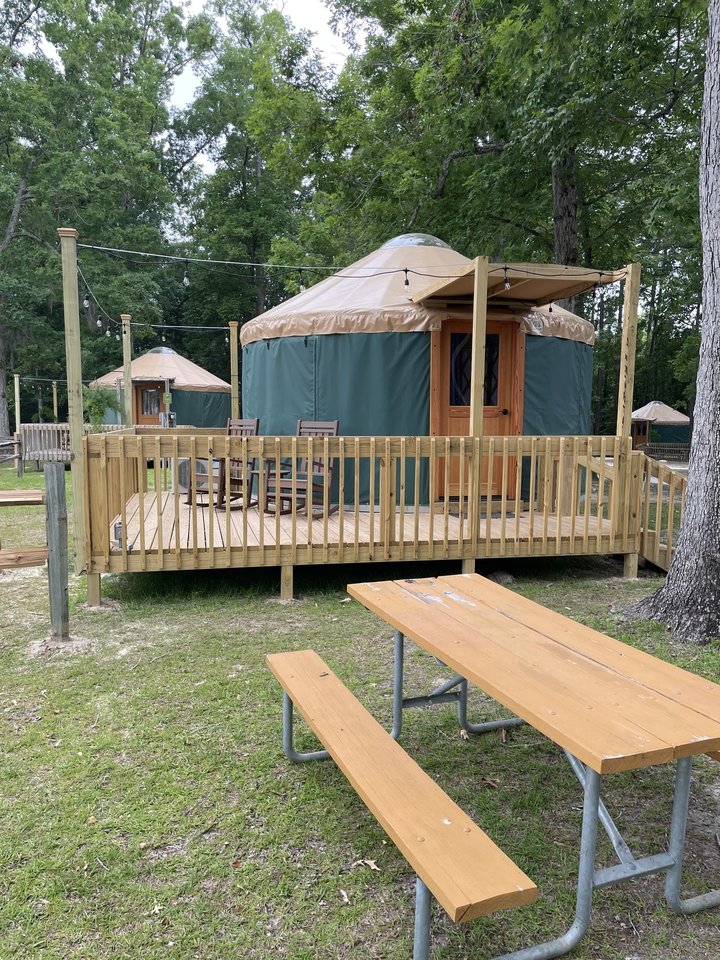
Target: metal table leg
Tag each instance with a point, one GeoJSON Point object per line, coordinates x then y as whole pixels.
{"type": "Point", "coordinates": [678, 826]}
{"type": "Point", "coordinates": [583, 904]}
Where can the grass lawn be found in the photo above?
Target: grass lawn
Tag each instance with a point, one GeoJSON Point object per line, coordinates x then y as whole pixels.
{"type": "Point", "coordinates": [147, 811]}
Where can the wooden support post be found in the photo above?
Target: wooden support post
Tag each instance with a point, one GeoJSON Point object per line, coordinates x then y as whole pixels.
{"type": "Point", "coordinates": [57, 538]}
{"type": "Point", "coordinates": [94, 596]}
{"type": "Point", "coordinates": [125, 319]}
{"type": "Point", "coordinates": [477, 375]}
{"type": "Point", "coordinates": [20, 465]}
{"type": "Point", "coordinates": [71, 311]}
{"type": "Point", "coordinates": [286, 582]}
{"type": "Point", "coordinates": [468, 565]}
{"type": "Point", "coordinates": [626, 384]}
{"type": "Point", "coordinates": [55, 403]}
{"type": "Point", "coordinates": [234, 368]}
{"type": "Point", "coordinates": [626, 380]}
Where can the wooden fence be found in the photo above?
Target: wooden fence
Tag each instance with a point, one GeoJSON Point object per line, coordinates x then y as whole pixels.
{"type": "Point", "coordinates": [663, 501]}
{"type": "Point", "coordinates": [559, 495]}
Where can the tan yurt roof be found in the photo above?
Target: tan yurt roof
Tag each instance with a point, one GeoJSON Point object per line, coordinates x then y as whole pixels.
{"type": "Point", "coordinates": [371, 296]}
{"type": "Point", "coordinates": [658, 412]}
{"type": "Point", "coordinates": [163, 363]}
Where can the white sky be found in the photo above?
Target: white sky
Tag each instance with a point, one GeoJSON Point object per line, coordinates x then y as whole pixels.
{"type": "Point", "coordinates": [310, 15]}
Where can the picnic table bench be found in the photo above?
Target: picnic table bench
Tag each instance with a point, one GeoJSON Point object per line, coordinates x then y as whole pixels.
{"type": "Point", "coordinates": [454, 860]}
{"type": "Point", "coordinates": [608, 706]}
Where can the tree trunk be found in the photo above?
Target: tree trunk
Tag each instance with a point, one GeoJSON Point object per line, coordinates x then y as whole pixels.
{"type": "Point", "coordinates": [565, 220]}
{"type": "Point", "coordinates": [689, 600]}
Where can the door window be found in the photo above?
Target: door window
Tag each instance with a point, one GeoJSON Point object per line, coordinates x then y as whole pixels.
{"type": "Point", "coordinates": [460, 369]}
{"type": "Point", "coordinates": [150, 403]}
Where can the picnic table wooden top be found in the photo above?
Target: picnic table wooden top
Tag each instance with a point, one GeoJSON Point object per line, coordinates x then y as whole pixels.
{"type": "Point", "coordinates": [610, 705]}
{"type": "Point", "coordinates": [22, 498]}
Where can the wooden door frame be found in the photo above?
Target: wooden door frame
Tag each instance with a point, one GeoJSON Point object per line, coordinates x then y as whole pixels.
{"type": "Point", "coordinates": [138, 386]}
{"type": "Point", "coordinates": [517, 368]}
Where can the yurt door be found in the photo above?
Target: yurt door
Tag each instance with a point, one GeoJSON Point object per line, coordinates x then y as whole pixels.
{"type": "Point", "coordinates": [450, 386]}
{"type": "Point", "coordinates": [148, 403]}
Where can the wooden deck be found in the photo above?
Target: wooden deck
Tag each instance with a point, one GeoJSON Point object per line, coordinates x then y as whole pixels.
{"type": "Point", "coordinates": [171, 529]}
{"type": "Point", "coordinates": [561, 496]}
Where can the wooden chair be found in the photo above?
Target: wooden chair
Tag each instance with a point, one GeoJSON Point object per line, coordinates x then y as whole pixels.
{"type": "Point", "coordinates": [240, 482]}
{"type": "Point", "coordinates": [310, 478]}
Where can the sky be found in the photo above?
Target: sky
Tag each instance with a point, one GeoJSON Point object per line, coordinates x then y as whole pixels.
{"type": "Point", "coordinates": [310, 15]}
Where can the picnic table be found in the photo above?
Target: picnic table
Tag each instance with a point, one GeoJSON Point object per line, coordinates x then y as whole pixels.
{"type": "Point", "coordinates": [609, 706]}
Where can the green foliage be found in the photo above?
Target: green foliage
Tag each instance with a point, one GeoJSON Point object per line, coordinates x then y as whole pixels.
{"type": "Point", "coordinates": [96, 402]}
{"type": "Point", "coordinates": [448, 118]}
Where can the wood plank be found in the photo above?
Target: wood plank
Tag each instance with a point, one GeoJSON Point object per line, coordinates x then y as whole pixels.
{"type": "Point", "coordinates": [22, 498]}
{"type": "Point", "coordinates": [465, 871]}
{"type": "Point", "coordinates": [600, 686]}
{"type": "Point", "coordinates": [26, 557]}
{"type": "Point", "coordinates": [605, 742]}
{"type": "Point", "coordinates": [671, 681]}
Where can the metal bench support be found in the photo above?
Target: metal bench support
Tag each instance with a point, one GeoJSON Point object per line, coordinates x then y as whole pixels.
{"type": "Point", "coordinates": [454, 690]}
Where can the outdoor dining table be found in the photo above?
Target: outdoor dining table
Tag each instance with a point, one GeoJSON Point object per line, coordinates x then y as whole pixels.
{"type": "Point", "coordinates": [607, 705]}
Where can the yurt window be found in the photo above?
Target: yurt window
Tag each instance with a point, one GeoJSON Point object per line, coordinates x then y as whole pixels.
{"type": "Point", "coordinates": [461, 364]}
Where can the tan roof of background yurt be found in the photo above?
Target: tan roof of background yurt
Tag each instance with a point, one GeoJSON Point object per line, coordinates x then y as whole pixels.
{"type": "Point", "coordinates": [658, 412]}
{"type": "Point", "coordinates": [163, 363]}
{"type": "Point", "coordinates": [372, 296]}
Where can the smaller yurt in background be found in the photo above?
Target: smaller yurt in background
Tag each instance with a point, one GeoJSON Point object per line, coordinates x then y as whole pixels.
{"type": "Point", "coordinates": [657, 422]}
{"type": "Point", "coordinates": [198, 397]}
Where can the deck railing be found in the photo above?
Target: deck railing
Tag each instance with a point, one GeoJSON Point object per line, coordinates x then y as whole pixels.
{"type": "Point", "coordinates": [50, 442]}
{"type": "Point", "coordinates": [509, 496]}
{"type": "Point", "coordinates": [663, 501]}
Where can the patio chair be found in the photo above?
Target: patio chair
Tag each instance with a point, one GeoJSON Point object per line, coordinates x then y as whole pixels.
{"type": "Point", "coordinates": [240, 482]}
{"type": "Point", "coordinates": [310, 478]}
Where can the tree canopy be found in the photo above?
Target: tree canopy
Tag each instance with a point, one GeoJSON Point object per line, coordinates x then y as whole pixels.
{"type": "Point", "coordinates": [547, 129]}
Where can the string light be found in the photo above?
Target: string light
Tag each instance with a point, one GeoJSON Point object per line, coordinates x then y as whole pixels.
{"type": "Point", "coordinates": [507, 282]}
{"type": "Point", "coordinates": [107, 332]}
{"type": "Point", "coordinates": [86, 301]}
{"type": "Point", "coordinates": [98, 323]}
{"type": "Point", "coordinates": [302, 281]}
{"type": "Point", "coordinates": [186, 276]}
{"type": "Point", "coordinates": [405, 271]}
{"type": "Point", "coordinates": [227, 339]}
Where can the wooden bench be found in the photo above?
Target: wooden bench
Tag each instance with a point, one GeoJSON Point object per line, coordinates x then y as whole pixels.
{"type": "Point", "coordinates": [454, 860]}
{"type": "Point", "coordinates": [22, 498]}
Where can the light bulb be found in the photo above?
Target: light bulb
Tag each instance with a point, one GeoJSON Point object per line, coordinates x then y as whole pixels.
{"type": "Point", "coordinates": [86, 302]}
{"type": "Point", "coordinates": [507, 282]}
{"type": "Point", "coordinates": [107, 332]}
{"type": "Point", "coordinates": [98, 323]}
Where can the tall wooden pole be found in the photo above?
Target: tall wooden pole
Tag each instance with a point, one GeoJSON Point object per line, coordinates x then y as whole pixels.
{"type": "Point", "coordinates": [55, 404]}
{"type": "Point", "coordinates": [626, 384]}
{"type": "Point", "coordinates": [626, 380]}
{"type": "Point", "coordinates": [477, 370]}
{"type": "Point", "coordinates": [71, 311]}
{"type": "Point", "coordinates": [477, 375]}
{"type": "Point", "coordinates": [234, 378]}
{"type": "Point", "coordinates": [18, 423]}
{"type": "Point", "coordinates": [125, 319]}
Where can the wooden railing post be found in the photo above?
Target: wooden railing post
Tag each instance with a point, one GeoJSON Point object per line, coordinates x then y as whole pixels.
{"type": "Point", "coordinates": [125, 319]}
{"type": "Point", "coordinates": [234, 367]}
{"type": "Point", "coordinates": [57, 538]}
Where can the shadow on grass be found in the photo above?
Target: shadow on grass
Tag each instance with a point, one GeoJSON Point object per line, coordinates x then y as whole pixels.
{"type": "Point", "coordinates": [310, 581]}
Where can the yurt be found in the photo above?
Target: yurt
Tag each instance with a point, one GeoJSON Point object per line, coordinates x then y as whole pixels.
{"type": "Point", "coordinates": [357, 348]}
{"type": "Point", "coordinates": [657, 422]}
{"type": "Point", "coordinates": [197, 397]}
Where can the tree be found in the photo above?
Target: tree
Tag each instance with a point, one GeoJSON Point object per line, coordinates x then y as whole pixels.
{"type": "Point", "coordinates": [689, 599]}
